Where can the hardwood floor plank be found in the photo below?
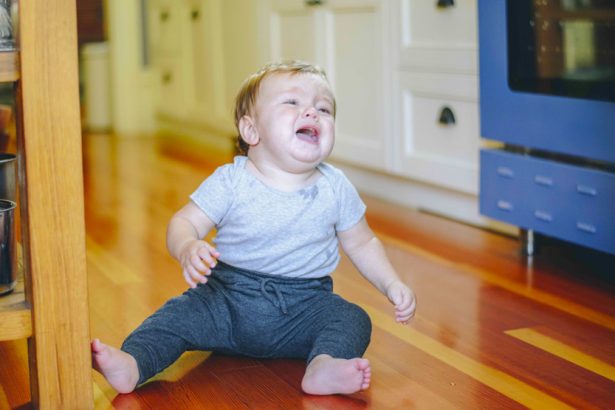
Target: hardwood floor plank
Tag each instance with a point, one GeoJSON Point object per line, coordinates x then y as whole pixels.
{"type": "Point", "coordinates": [486, 346]}
{"type": "Point", "coordinates": [291, 371]}
{"type": "Point", "coordinates": [266, 390]}
{"type": "Point", "coordinates": [185, 364]}
{"type": "Point", "coordinates": [551, 300]}
{"type": "Point", "coordinates": [454, 323]}
{"type": "Point", "coordinates": [597, 344]}
{"type": "Point", "coordinates": [564, 351]}
{"type": "Point", "coordinates": [394, 390]}
{"type": "Point", "coordinates": [198, 389]}
{"type": "Point", "coordinates": [489, 376]}
{"type": "Point", "coordinates": [107, 264]}
{"type": "Point", "coordinates": [101, 402]}
{"type": "Point", "coordinates": [432, 375]}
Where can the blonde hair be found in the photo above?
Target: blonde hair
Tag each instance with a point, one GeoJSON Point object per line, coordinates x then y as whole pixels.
{"type": "Point", "coordinates": [246, 97]}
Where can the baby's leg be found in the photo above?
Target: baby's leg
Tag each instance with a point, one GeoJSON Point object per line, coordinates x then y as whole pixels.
{"type": "Point", "coordinates": [328, 375]}
{"type": "Point", "coordinates": [183, 323]}
{"type": "Point", "coordinates": [119, 368]}
{"type": "Point", "coordinates": [335, 362]}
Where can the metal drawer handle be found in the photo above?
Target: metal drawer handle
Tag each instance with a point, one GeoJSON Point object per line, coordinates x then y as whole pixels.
{"type": "Point", "coordinates": [587, 190]}
{"type": "Point", "coordinates": [543, 180]}
{"type": "Point", "coordinates": [585, 227]}
{"type": "Point", "coordinates": [505, 172]}
{"type": "Point", "coordinates": [543, 216]}
{"type": "Point", "coordinates": [505, 205]}
{"type": "Point", "coordinates": [312, 3]}
{"type": "Point", "coordinates": [447, 117]}
{"type": "Point", "coordinates": [445, 3]}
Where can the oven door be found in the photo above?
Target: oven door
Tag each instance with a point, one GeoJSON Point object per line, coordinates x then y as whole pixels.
{"type": "Point", "coordinates": [539, 62]}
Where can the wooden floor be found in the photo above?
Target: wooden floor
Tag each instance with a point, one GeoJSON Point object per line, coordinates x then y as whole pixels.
{"type": "Point", "coordinates": [493, 329]}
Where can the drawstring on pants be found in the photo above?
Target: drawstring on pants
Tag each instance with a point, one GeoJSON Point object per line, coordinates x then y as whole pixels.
{"type": "Point", "coordinates": [280, 302]}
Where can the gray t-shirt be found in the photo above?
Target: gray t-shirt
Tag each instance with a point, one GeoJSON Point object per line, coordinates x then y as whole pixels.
{"type": "Point", "coordinates": [291, 234]}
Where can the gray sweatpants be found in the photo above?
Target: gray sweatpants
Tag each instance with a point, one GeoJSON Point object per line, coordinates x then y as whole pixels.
{"type": "Point", "coordinates": [247, 313]}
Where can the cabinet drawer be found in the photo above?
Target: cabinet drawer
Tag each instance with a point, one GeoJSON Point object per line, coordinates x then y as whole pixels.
{"type": "Point", "coordinates": [171, 88]}
{"type": "Point", "coordinates": [165, 18]}
{"type": "Point", "coordinates": [434, 150]}
{"type": "Point", "coordinates": [566, 201]}
{"type": "Point", "coordinates": [442, 38]}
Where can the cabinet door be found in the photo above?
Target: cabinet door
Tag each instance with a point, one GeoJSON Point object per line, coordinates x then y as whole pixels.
{"type": "Point", "coordinates": [292, 29]}
{"type": "Point", "coordinates": [171, 90]}
{"type": "Point", "coordinates": [164, 25]}
{"type": "Point", "coordinates": [346, 38]}
{"type": "Point", "coordinates": [205, 62]}
{"type": "Point", "coordinates": [166, 46]}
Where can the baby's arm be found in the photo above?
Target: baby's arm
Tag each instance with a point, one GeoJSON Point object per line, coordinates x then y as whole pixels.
{"type": "Point", "coordinates": [367, 254]}
{"type": "Point", "coordinates": [184, 242]}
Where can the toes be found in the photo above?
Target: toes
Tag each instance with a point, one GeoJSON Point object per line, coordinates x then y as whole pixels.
{"type": "Point", "coordinates": [363, 364]}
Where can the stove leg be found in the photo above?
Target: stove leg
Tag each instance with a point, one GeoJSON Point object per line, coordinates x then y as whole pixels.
{"type": "Point", "coordinates": [528, 242]}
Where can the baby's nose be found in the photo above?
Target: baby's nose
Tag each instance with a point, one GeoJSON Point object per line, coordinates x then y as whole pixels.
{"type": "Point", "coordinates": [311, 112]}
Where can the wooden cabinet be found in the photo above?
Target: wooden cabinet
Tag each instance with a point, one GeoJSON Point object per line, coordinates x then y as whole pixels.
{"type": "Point", "coordinates": [348, 39]}
{"type": "Point", "coordinates": [52, 311]}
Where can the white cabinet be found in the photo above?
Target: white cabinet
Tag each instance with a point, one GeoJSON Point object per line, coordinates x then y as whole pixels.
{"type": "Point", "coordinates": [349, 39]}
{"type": "Point", "coordinates": [186, 50]}
{"type": "Point", "coordinates": [206, 64]}
{"type": "Point", "coordinates": [432, 38]}
{"type": "Point", "coordinates": [436, 97]}
{"type": "Point", "coordinates": [166, 21]}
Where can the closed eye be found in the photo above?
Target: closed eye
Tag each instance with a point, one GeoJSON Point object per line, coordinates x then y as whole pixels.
{"type": "Point", "coordinates": [291, 101]}
{"type": "Point", "coordinates": [325, 110]}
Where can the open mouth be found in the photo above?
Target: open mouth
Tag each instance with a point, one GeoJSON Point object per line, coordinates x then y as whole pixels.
{"type": "Point", "coordinates": [308, 134]}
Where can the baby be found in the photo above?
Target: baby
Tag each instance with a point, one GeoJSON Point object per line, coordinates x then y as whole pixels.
{"type": "Point", "coordinates": [264, 290]}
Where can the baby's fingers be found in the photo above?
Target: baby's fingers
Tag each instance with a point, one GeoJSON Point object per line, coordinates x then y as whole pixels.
{"type": "Point", "coordinates": [404, 313]}
{"type": "Point", "coordinates": [188, 279]}
{"type": "Point", "coordinates": [208, 257]}
{"type": "Point", "coordinates": [193, 277]}
{"type": "Point", "coordinates": [197, 263]}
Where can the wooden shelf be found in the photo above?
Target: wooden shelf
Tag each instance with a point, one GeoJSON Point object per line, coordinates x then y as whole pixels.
{"type": "Point", "coordinates": [15, 315]}
{"type": "Point", "coordinates": [9, 66]}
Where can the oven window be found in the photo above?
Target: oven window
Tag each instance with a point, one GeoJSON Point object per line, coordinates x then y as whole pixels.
{"type": "Point", "coordinates": [562, 47]}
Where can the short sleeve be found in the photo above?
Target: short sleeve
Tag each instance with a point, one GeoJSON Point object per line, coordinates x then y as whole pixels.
{"type": "Point", "coordinates": [215, 195]}
{"type": "Point", "coordinates": [351, 206]}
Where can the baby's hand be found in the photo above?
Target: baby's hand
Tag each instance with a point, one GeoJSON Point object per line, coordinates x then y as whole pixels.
{"type": "Point", "coordinates": [403, 298]}
{"type": "Point", "coordinates": [197, 259]}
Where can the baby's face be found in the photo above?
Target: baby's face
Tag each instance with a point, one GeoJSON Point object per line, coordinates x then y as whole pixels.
{"type": "Point", "coordinates": [295, 121]}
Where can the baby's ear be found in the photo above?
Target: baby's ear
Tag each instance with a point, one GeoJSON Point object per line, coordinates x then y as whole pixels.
{"type": "Point", "coordinates": [248, 130]}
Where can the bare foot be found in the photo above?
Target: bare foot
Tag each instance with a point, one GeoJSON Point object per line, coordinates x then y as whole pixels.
{"type": "Point", "coordinates": [119, 368]}
{"type": "Point", "coordinates": [327, 375]}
